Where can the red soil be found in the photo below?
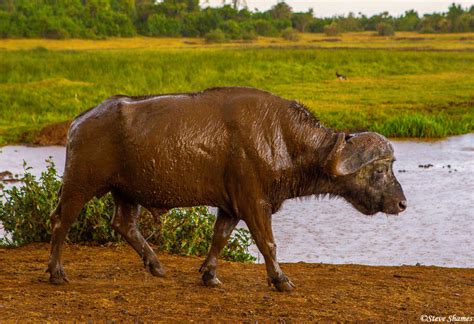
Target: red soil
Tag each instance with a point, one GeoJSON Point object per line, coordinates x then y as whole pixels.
{"type": "Point", "coordinates": [110, 283]}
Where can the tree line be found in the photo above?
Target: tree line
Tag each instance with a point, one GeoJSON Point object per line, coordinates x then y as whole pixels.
{"type": "Point", "coordinates": [174, 18]}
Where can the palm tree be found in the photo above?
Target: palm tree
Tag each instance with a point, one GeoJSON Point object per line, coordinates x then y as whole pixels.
{"type": "Point", "coordinates": [236, 4]}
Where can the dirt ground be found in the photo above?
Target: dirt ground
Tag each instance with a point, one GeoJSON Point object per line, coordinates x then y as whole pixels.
{"type": "Point", "coordinates": [109, 283]}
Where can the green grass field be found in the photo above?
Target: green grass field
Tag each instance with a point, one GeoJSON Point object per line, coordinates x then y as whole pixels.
{"type": "Point", "coordinates": [402, 93]}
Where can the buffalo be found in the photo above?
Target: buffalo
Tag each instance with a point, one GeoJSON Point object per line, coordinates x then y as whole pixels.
{"type": "Point", "coordinates": [242, 150]}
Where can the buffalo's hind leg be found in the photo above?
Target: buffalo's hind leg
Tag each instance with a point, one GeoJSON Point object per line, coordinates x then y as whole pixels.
{"type": "Point", "coordinates": [62, 218]}
{"type": "Point", "coordinates": [223, 228]}
{"type": "Point", "coordinates": [125, 222]}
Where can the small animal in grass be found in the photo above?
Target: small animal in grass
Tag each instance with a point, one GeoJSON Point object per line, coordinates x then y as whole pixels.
{"type": "Point", "coordinates": [341, 76]}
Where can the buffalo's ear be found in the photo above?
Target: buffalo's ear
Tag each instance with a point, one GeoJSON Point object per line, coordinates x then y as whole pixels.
{"type": "Point", "coordinates": [348, 156]}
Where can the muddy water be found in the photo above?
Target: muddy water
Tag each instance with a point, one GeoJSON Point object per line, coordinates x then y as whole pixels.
{"type": "Point", "coordinates": [437, 228]}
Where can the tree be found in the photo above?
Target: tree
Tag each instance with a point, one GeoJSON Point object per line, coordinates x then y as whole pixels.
{"type": "Point", "coordinates": [290, 34]}
{"type": "Point", "coordinates": [215, 36]}
{"type": "Point", "coordinates": [208, 19]}
{"type": "Point", "coordinates": [463, 23]}
{"type": "Point", "coordinates": [349, 23]}
{"type": "Point", "coordinates": [332, 29]}
{"type": "Point", "coordinates": [176, 8]}
{"type": "Point", "coordinates": [103, 18]}
{"type": "Point", "coordinates": [301, 20]}
{"type": "Point", "coordinates": [281, 11]}
{"type": "Point", "coordinates": [7, 5]}
{"type": "Point", "coordinates": [454, 11]}
{"type": "Point", "coordinates": [126, 7]}
{"type": "Point", "coordinates": [232, 29]}
{"type": "Point", "coordinates": [236, 4]}
{"type": "Point", "coordinates": [409, 21]}
{"type": "Point", "coordinates": [265, 28]}
{"type": "Point", "coordinates": [160, 25]}
{"type": "Point", "coordinates": [384, 29]}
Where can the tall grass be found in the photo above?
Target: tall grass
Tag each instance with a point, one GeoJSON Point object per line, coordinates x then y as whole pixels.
{"type": "Point", "coordinates": [398, 93]}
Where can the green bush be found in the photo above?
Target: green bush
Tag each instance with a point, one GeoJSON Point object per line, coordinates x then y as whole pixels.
{"type": "Point", "coordinates": [249, 36]}
{"type": "Point", "coordinates": [25, 215]}
{"type": "Point", "coordinates": [265, 28]}
{"type": "Point", "coordinates": [231, 29]}
{"type": "Point", "coordinates": [290, 34]}
{"type": "Point", "coordinates": [384, 29]}
{"type": "Point", "coordinates": [215, 36]}
{"type": "Point", "coordinates": [185, 231]}
{"type": "Point", "coordinates": [160, 25]}
{"type": "Point", "coordinates": [25, 212]}
{"type": "Point", "coordinates": [427, 30]}
{"type": "Point", "coordinates": [331, 29]}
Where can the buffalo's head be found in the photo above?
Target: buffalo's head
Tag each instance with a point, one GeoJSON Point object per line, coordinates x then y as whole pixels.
{"type": "Point", "coordinates": [361, 166]}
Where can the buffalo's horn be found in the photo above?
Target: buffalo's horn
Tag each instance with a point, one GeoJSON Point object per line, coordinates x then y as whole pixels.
{"type": "Point", "coordinates": [359, 150]}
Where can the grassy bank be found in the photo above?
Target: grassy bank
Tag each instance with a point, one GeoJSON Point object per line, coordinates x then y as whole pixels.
{"type": "Point", "coordinates": [406, 93]}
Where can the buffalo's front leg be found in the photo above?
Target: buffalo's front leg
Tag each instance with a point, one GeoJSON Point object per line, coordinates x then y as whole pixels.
{"type": "Point", "coordinates": [259, 224]}
{"type": "Point", "coordinates": [125, 222]}
{"type": "Point", "coordinates": [223, 228]}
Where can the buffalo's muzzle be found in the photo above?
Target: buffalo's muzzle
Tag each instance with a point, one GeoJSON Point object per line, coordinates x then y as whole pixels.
{"type": "Point", "coordinates": [402, 205]}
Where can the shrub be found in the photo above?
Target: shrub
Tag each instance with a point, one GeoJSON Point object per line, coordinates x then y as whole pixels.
{"type": "Point", "coordinates": [25, 212]}
{"type": "Point", "coordinates": [427, 30]}
{"type": "Point", "coordinates": [331, 29]}
{"type": "Point", "coordinates": [249, 36]}
{"type": "Point", "coordinates": [282, 24]}
{"type": "Point", "coordinates": [160, 25]}
{"type": "Point", "coordinates": [316, 26]}
{"type": "Point", "coordinates": [231, 29]}
{"type": "Point", "coordinates": [290, 34]}
{"type": "Point", "coordinates": [265, 28]}
{"type": "Point", "coordinates": [384, 29]}
{"type": "Point", "coordinates": [188, 231]}
{"type": "Point", "coordinates": [248, 31]}
{"type": "Point", "coordinates": [25, 215]}
{"type": "Point", "coordinates": [59, 33]}
{"type": "Point", "coordinates": [215, 36]}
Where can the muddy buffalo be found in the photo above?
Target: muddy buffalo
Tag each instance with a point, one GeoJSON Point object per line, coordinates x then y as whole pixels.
{"type": "Point", "coordinates": [241, 150]}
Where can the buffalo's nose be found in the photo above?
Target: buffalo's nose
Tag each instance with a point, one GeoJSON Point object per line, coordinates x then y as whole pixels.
{"type": "Point", "coordinates": [402, 205]}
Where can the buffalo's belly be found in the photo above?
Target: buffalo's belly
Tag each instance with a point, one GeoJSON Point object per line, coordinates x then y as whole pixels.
{"type": "Point", "coordinates": [177, 186]}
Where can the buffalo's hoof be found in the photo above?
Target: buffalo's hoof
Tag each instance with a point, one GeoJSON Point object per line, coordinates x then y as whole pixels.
{"type": "Point", "coordinates": [214, 282]}
{"type": "Point", "coordinates": [58, 280]}
{"type": "Point", "coordinates": [57, 277]}
{"type": "Point", "coordinates": [283, 285]}
{"type": "Point", "coordinates": [210, 280]}
{"type": "Point", "coordinates": [157, 271]}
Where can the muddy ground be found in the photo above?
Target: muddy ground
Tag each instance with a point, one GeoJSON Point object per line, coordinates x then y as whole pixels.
{"type": "Point", "coordinates": [54, 134]}
{"type": "Point", "coordinates": [110, 283]}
